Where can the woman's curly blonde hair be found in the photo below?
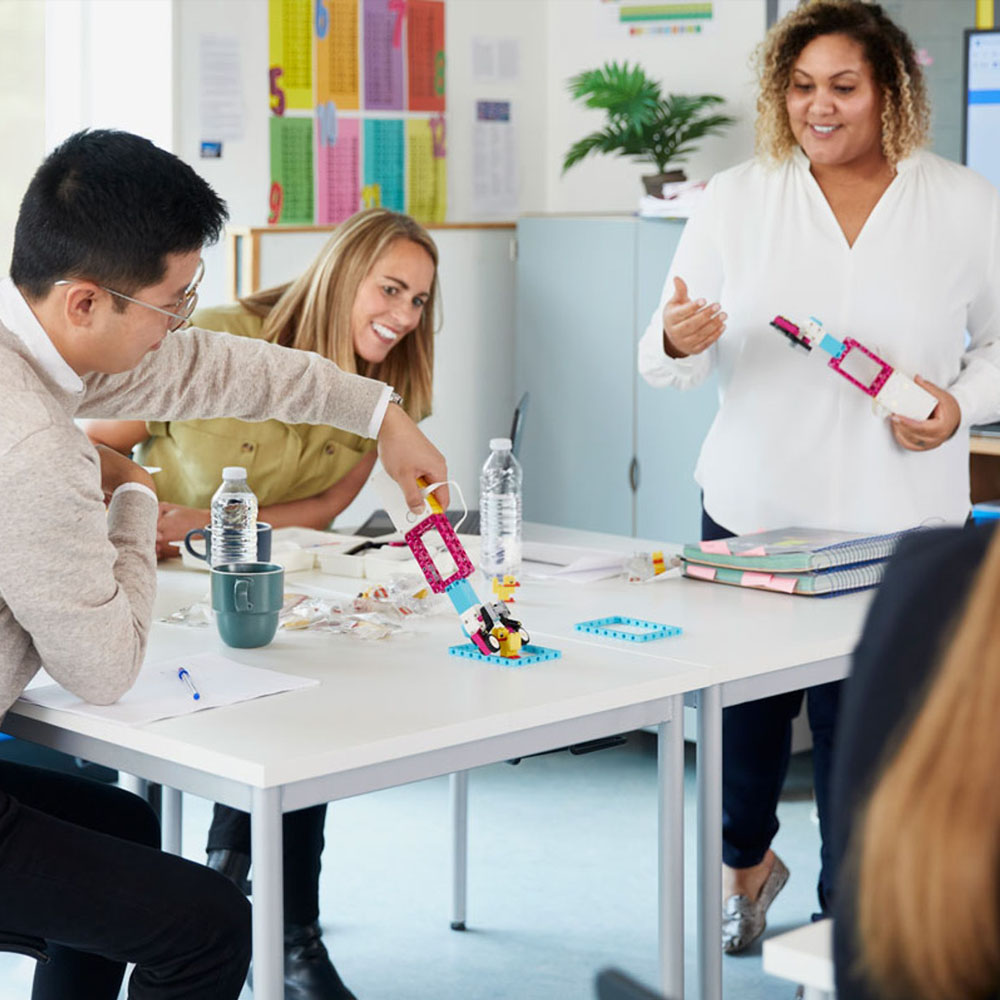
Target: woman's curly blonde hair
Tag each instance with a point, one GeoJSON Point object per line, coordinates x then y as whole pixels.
{"type": "Point", "coordinates": [889, 51]}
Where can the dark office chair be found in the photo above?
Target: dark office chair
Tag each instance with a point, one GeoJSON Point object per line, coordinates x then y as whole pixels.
{"type": "Point", "coordinates": [613, 984]}
{"type": "Point", "coordinates": [23, 944]}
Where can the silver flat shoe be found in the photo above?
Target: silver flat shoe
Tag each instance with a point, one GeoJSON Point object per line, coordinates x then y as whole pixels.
{"type": "Point", "coordinates": [743, 919]}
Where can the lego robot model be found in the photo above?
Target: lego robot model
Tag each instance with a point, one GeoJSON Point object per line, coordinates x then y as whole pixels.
{"type": "Point", "coordinates": [489, 625]}
{"type": "Point", "coordinates": [891, 390]}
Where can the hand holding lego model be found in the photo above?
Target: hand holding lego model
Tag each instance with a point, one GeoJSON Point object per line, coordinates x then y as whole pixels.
{"type": "Point", "coordinates": [690, 327]}
{"type": "Point", "coordinates": [407, 456]}
{"type": "Point", "coordinates": [923, 435]}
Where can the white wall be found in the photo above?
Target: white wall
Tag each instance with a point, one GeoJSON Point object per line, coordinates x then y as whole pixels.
{"type": "Point", "coordinates": [581, 36]}
{"type": "Point", "coordinates": [22, 109]}
{"type": "Point", "coordinates": [109, 64]}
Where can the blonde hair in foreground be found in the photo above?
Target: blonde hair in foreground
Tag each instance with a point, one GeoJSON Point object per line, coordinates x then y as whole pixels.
{"type": "Point", "coordinates": [313, 313]}
{"type": "Point", "coordinates": [928, 899]}
{"type": "Point", "coordinates": [889, 52]}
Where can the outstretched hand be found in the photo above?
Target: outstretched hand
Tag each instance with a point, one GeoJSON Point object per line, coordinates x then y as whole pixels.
{"type": "Point", "coordinates": [690, 327]}
{"type": "Point", "coordinates": [923, 435]}
{"type": "Point", "coordinates": [407, 456]}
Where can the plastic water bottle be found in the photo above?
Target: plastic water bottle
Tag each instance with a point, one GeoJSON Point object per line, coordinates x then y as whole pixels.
{"type": "Point", "coordinates": [234, 519]}
{"type": "Point", "coordinates": [500, 511]}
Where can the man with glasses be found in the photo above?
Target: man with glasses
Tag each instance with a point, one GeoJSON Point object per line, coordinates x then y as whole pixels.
{"type": "Point", "coordinates": [104, 275]}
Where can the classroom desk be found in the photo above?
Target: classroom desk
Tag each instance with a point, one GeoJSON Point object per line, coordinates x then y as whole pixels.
{"type": "Point", "coordinates": [384, 714]}
{"type": "Point", "coordinates": [748, 645]}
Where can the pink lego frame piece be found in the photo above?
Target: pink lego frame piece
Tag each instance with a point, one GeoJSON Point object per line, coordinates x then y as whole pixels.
{"type": "Point", "coordinates": [452, 544]}
{"type": "Point", "coordinates": [876, 387]}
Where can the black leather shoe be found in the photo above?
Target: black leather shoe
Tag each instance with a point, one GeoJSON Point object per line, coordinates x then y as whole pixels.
{"type": "Point", "coordinates": [309, 973]}
{"type": "Point", "coordinates": [235, 865]}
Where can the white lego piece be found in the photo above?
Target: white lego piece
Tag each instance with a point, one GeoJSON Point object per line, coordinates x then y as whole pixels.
{"type": "Point", "coordinates": [902, 395]}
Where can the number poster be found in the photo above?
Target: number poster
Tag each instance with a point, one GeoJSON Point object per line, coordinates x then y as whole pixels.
{"type": "Point", "coordinates": [357, 100]}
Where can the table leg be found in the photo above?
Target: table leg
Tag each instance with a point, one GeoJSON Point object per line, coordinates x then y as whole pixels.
{"type": "Point", "coordinates": [459, 787]}
{"type": "Point", "coordinates": [268, 898]}
{"type": "Point", "coordinates": [171, 817]}
{"type": "Point", "coordinates": [137, 786]}
{"type": "Point", "coordinates": [710, 843]}
{"type": "Point", "coordinates": [670, 859]}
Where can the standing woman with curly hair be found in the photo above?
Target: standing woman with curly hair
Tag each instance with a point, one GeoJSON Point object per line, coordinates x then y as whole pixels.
{"type": "Point", "coordinates": [844, 216]}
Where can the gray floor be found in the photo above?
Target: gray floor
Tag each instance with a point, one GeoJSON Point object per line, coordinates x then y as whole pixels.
{"type": "Point", "coordinates": [562, 882]}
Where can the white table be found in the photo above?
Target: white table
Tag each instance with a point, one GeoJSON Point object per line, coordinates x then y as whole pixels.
{"type": "Point", "coordinates": [385, 713]}
{"type": "Point", "coordinates": [389, 713]}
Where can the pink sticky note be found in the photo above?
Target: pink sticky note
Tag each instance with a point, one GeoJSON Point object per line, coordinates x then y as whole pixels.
{"type": "Point", "coordinates": [756, 580]}
{"type": "Point", "coordinates": [786, 584]}
{"type": "Point", "coordinates": [701, 572]}
{"type": "Point", "coordinates": [718, 548]}
{"type": "Point", "coordinates": [759, 551]}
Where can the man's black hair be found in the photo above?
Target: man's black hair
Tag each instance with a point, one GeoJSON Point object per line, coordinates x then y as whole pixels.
{"type": "Point", "coordinates": [108, 206]}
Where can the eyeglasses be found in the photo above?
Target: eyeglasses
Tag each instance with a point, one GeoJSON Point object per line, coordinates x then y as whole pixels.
{"type": "Point", "coordinates": [182, 308]}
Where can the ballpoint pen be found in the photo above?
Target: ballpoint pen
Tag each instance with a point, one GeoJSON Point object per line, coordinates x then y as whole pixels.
{"type": "Point", "coordinates": [186, 678]}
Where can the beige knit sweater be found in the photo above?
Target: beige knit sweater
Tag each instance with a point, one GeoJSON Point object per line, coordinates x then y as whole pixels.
{"type": "Point", "coordinates": [76, 581]}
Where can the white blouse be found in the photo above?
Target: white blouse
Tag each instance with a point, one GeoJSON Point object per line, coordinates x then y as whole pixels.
{"type": "Point", "coordinates": [794, 443]}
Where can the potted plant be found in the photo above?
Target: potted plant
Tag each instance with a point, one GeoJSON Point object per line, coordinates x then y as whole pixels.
{"type": "Point", "coordinates": [641, 122]}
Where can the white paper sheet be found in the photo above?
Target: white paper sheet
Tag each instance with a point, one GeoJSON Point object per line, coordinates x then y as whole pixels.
{"type": "Point", "coordinates": [159, 693]}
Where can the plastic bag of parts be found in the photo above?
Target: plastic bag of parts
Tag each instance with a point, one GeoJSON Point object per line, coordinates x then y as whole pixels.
{"type": "Point", "coordinates": [645, 566]}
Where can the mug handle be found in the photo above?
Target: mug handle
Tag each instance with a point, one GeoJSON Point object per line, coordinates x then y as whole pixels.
{"type": "Point", "coordinates": [196, 533]}
{"type": "Point", "coordinates": [241, 595]}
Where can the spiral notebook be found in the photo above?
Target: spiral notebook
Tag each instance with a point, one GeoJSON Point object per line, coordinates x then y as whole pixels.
{"type": "Point", "coordinates": [821, 584]}
{"type": "Point", "coordinates": [793, 550]}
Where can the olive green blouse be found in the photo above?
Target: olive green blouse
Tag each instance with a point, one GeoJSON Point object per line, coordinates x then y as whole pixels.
{"type": "Point", "coordinates": [284, 462]}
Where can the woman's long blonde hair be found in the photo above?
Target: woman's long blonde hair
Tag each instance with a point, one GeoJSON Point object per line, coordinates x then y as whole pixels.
{"type": "Point", "coordinates": [889, 52]}
{"type": "Point", "coordinates": [313, 313]}
{"type": "Point", "coordinates": [929, 878]}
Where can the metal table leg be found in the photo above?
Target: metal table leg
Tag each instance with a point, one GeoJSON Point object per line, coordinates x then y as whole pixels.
{"type": "Point", "coordinates": [710, 843]}
{"type": "Point", "coordinates": [172, 814]}
{"type": "Point", "coordinates": [670, 856]}
{"type": "Point", "coordinates": [459, 787]}
{"type": "Point", "coordinates": [268, 899]}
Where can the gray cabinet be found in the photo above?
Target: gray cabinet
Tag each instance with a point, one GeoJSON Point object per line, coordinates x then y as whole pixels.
{"type": "Point", "coordinates": [602, 450]}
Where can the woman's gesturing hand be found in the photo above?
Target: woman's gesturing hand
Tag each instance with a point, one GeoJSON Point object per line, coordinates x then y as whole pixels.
{"type": "Point", "coordinates": [690, 327]}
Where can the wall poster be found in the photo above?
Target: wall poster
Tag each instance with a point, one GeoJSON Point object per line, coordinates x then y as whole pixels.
{"type": "Point", "coordinates": [357, 103]}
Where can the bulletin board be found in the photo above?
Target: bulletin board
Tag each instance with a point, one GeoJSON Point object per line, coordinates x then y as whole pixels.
{"type": "Point", "coordinates": [357, 102]}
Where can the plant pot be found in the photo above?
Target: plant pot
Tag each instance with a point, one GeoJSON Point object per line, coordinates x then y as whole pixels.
{"type": "Point", "coordinates": [654, 182]}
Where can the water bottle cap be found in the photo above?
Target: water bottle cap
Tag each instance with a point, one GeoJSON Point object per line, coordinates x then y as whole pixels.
{"type": "Point", "coordinates": [499, 444]}
{"type": "Point", "coordinates": [234, 472]}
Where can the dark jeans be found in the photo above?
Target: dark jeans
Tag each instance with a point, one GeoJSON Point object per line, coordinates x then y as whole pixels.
{"type": "Point", "coordinates": [80, 867]}
{"type": "Point", "coordinates": [756, 746]}
{"type": "Point", "coordinates": [302, 838]}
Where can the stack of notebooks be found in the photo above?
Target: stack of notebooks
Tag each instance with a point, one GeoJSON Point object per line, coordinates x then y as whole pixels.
{"type": "Point", "coordinates": [808, 561]}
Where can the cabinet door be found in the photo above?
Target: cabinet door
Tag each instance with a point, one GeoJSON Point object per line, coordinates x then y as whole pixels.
{"type": "Point", "coordinates": [670, 424]}
{"type": "Point", "coordinates": [575, 354]}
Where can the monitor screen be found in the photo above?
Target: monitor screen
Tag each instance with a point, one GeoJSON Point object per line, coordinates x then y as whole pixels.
{"type": "Point", "coordinates": [981, 121]}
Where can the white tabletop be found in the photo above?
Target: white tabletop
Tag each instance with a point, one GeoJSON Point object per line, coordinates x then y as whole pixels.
{"type": "Point", "coordinates": [402, 697]}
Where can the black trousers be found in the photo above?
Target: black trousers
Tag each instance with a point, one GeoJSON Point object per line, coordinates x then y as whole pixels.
{"type": "Point", "coordinates": [756, 747]}
{"type": "Point", "coordinates": [302, 840]}
{"type": "Point", "coordinates": [80, 867]}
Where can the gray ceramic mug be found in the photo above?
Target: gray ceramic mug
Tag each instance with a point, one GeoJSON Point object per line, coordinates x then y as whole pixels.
{"type": "Point", "coordinates": [264, 533]}
{"type": "Point", "coordinates": [247, 599]}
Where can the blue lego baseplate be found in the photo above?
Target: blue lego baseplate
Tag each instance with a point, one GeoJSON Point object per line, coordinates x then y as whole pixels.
{"type": "Point", "coordinates": [654, 630]}
{"type": "Point", "coordinates": [529, 654]}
